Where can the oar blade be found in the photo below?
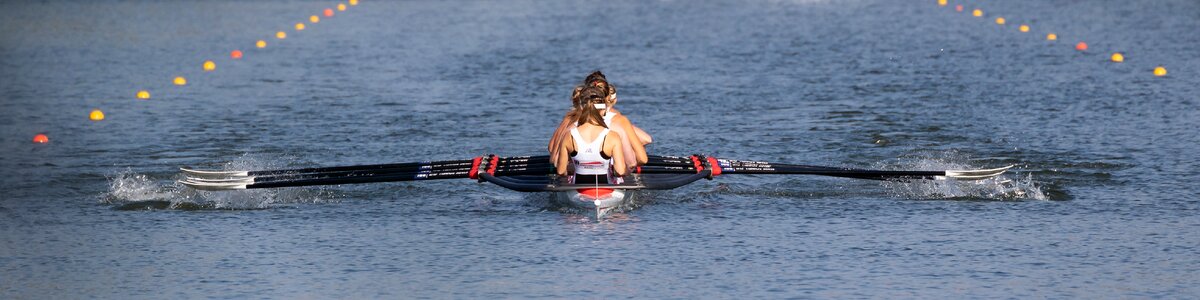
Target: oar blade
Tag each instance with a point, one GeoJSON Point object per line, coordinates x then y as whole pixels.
{"type": "Point", "coordinates": [976, 174]}
{"type": "Point", "coordinates": [213, 186]}
{"type": "Point", "coordinates": [238, 180]}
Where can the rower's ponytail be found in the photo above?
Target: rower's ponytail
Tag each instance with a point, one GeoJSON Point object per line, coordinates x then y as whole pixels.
{"type": "Point", "coordinates": [587, 100]}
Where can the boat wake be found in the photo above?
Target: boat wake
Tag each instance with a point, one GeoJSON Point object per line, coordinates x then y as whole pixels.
{"type": "Point", "coordinates": [129, 190]}
{"type": "Point", "coordinates": [1009, 186]}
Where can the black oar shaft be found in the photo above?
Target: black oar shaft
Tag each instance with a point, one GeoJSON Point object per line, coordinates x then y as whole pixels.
{"type": "Point", "coordinates": [401, 171]}
{"type": "Point", "coordinates": [396, 166]}
{"type": "Point", "coordinates": [394, 177]}
{"type": "Point", "coordinates": [360, 179]}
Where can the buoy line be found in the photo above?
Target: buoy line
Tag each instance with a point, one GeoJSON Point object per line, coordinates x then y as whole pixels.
{"type": "Point", "coordinates": [1116, 57]}
{"type": "Point", "coordinates": [209, 66]}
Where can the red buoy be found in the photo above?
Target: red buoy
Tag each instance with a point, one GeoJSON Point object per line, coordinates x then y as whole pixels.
{"type": "Point", "coordinates": [1081, 46]}
{"type": "Point", "coordinates": [41, 139]}
{"type": "Point", "coordinates": [236, 54]}
{"type": "Point", "coordinates": [328, 12]}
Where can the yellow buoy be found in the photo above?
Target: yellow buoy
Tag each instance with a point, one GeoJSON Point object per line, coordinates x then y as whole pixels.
{"type": "Point", "coordinates": [353, 2]}
{"type": "Point", "coordinates": [261, 44]}
{"type": "Point", "coordinates": [209, 65]}
{"type": "Point", "coordinates": [143, 94]}
{"type": "Point", "coordinates": [941, 2]}
{"type": "Point", "coordinates": [299, 26]}
{"type": "Point", "coordinates": [1024, 28]}
{"type": "Point", "coordinates": [1118, 57]}
{"type": "Point", "coordinates": [281, 35]}
{"type": "Point", "coordinates": [314, 19]}
{"type": "Point", "coordinates": [180, 80]}
{"type": "Point", "coordinates": [96, 115]}
{"type": "Point", "coordinates": [1000, 21]}
{"type": "Point", "coordinates": [977, 13]}
{"type": "Point", "coordinates": [1160, 71]}
{"type": "Point", "coordinates": [1052, 37]}
{"type": "Point", "coordinates": [341, 7]}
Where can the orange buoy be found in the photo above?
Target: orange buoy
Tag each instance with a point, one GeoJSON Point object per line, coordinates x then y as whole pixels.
{"type": "Point", "coordinates": [328, 12]}
{"type": "Point", "coordinates": [1081, 46]}
{"type": "Point", "coordinates": [41, 139]}
{"type": "Point", "coordinates": [1118, 57]}
{"type": "Point", "coordinates": [1023, 28]}
{"type": "Point", "coordinates": [261, 44]}
{"type": "Point", "coordinates": [958, 8]}
{"type": "Point", "coordinates": [314, 19]}
{"type": "Point", "coordinates": [1051, 37]}
{"type": "Point", "coordinates": [977, 13]}
{"type": "Point", "coordinates": [236, 54]}
{"type": "Point", "coordinates": [143, 94]}
{"type": "Point", "coordinates": [341, 7]}
{"type": "Point", "coordinates": [281, 35]}
{"type": "Point", "coordinates": [1000, 21]}
{"type": "Point", "coordinates": [96, 115]}
{"type": "Point", "coordinates": [299, 26]}
{"type": "Point", "coordinates": [179, 80]}
{"type": "Point", "coordinates": [353, 2]}
{"type": "Point", "coordinates": [1160, 71]}
{"type": "Point", "coordinates": [209, 65]}
{"type": "Point", "coordinates": [941, 2]}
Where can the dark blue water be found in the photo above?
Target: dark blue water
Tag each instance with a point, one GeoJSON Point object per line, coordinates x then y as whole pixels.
{"type": "Point", "coordinates": [1103, 201]}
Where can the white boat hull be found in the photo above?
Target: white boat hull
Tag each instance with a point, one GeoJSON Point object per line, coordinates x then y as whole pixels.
{"type": "Point", "coordinates": [602, 202]}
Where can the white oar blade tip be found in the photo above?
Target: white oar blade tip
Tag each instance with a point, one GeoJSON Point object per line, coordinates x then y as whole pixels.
{"type": "Point", "coordinates": [239, 180]}
{"type": "Point", "coordinates": [213, 186]}
{"type": "Point", "coordinates": [976, 174]}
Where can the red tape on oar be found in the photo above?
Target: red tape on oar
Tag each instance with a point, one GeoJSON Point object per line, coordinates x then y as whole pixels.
{"type": "Point", "coordinates": [714, 166]}
{"type": "Point", "coordinates": [696, 162]}
{"type": "Point", "coordinates": [474, 173]}
{"type": "Point", "coordinates": [492, 167]}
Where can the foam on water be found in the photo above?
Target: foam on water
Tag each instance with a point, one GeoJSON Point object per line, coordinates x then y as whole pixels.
{"type": "Point", "coordinates": [134, 191]}
{"type": "Point", "coordinates": [1007, 186]}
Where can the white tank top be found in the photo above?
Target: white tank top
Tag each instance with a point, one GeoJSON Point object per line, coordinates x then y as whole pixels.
{"type": "Point", "coordinates": [587, 157]}
{"type": "Point", "coordinates": [608, 117]}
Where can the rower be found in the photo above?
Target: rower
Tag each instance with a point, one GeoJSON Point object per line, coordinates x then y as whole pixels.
{"type": "Point", "coordinates": [633, 144]}
{"type": "Point", "coordinates": [594, 150]}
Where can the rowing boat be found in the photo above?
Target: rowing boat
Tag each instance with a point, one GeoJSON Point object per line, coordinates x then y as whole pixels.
{"type": "Point", "coordinates": [599, 198]}
{"type": "Point", "coordinates": [536, 174]}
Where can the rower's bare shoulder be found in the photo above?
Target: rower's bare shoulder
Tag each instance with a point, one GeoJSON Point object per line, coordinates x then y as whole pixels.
{"type": "Point", "coordinates": [613, 137]}
{"type": "Point", "coordinates": [622, 120]}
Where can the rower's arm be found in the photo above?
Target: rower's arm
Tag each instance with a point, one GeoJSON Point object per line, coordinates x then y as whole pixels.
{"type": "Point", "coordinates": [560, 133]}
{"type": "Point", "coordinates": [561, 159]}
{"type": "Point", "coordinates": [635, 141]}
{"type": "Point", "coordinates": [612, 144]}
{"type": "Point", "coordinates": [642, 135]}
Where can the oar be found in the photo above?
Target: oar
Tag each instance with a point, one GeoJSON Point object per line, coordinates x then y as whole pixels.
{"type": "Point", "coordinates": [394, 167]}
{"type": "Point", "coordinates": [726, 166]}
{"type": "Point", "coordinates": [505, 168]}
{"type": "Point", "coordinates": [236, 184]}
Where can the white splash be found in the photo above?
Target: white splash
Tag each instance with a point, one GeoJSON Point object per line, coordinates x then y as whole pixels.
{"type": "Point", "coordinates": [1008, 186]}
{"type": "Point", "coordinates": [131, 190]}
